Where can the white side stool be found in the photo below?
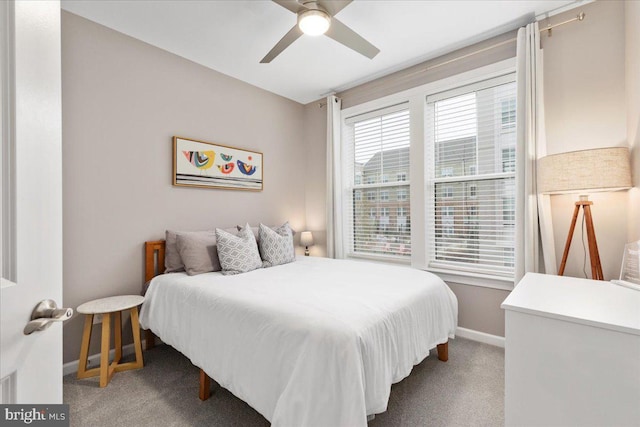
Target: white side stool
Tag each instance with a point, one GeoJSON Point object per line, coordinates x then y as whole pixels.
{"type": "Point", "coordinates": [106, 307]}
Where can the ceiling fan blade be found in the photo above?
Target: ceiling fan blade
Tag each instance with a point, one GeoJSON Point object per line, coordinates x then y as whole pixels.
{"type": "Point", "coordinates": [333, 6]}
{"type": "Point", "coordinates": [345, 35]}
{"type": "Point", "coordinates": [291, 5]}
{"type": "Point", "coordinates": [284, 43]}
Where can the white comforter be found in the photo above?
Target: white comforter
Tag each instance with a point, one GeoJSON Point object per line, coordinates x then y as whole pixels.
{"type": "Point", "coordinates": [317, 342]}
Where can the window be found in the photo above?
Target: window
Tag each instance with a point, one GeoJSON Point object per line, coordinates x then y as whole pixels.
{"type": "Point", "coordinates": [509, 159]}
{"type": "Point", "coordinates": [508, 112]}
{"type": "Point", "coordinates": [509, 210]}
{"type": "Point", "coordinates": [468, 150]}
{"type": "Point", "coordinates": [447, 220]}
{"type": "Point", "coordinates": [509, 257]}
{"type": "Point", "coordinates": [377, 148]}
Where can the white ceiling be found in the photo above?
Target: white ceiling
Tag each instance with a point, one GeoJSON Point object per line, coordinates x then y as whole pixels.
{"type": "Point", "coordinates": [232, 36]}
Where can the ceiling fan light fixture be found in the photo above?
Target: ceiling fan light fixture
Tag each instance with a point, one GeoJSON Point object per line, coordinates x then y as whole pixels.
{"type": "Point", "coordinates": [314, 22]}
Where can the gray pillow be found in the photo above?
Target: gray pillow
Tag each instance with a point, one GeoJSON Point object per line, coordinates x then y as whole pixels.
{"type": "Point", "coordinates": [198, 252]}
{"type": "Point", "coordinates": [172, 260]}
{"type": "Point", "coordinates": [238, 254]}
{"type": "Point", "coordinates": [276, 245]}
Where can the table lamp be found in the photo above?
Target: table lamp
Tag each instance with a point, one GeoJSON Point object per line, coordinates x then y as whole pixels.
{"type": "Point", "coordinates": [306, 240]}
{"type": "Point", "coordinates": [583, 172]}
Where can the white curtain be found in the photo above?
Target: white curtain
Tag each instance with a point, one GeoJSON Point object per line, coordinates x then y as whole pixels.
{"type": "Point", "coordinates": [334, 226]}
{"type": "Point", "coordinates": [534, 230]}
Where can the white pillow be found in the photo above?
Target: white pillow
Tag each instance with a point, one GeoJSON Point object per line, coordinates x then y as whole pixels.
{"type": "Point", "coordinates": [239, 253]}
{"type": "Point", "coordinates": [276, 245]}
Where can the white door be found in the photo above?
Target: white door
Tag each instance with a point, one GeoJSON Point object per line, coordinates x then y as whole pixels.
{"type": "Point", "coordinates": [31, 252]}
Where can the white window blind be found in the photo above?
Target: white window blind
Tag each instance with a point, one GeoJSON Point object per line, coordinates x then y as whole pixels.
{"type": "Point", "coordinates": [376, 199]}
{"type": "Point", "coordinates": [471, 206]}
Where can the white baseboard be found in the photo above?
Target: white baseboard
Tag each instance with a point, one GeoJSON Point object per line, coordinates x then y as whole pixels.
{"type": "Point", "coordinates": [483, 337]}
{"type": "Point", "coordinates": [94, 359]}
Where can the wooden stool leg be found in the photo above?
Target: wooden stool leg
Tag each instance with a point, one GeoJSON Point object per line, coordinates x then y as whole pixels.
{"type": "Point", "coordinates": [117, 335]}
{"type": "Point", "coordinates": [104, 349]}
{"type": "Point", "coordinates": [84, 347]}
{"type": "Point", "coordinates": [135, 326]}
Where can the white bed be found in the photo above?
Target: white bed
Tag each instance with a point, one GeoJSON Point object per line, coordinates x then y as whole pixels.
{"type": "Point", "coordinates": [317, 342]}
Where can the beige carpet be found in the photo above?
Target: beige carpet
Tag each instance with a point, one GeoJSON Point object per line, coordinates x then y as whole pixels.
{"type": "Point", "coordinates": [468, 390]}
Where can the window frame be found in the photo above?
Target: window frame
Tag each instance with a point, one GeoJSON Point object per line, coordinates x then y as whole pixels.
{"type": "Point", "coordinates": [381, 188]}
{"type": "Point", "coordinates": [416, 99]}
{"type": "Point", "coordinates": [433, 179]}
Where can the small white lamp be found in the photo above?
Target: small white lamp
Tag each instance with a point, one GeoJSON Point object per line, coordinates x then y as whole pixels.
{"type": "Point", "coordinates": [306, 240]}
{"type": "Point", "coordinates": [583, 172]}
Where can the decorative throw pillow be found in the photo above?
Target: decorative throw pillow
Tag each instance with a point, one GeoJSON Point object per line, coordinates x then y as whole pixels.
{"type": "Point", "coordinates": [198, 252]}
{"type": "Point", "coordinates": [238, 254]}
{"type": "Point", "coordinates": [276, 245]}
{"type": "Point", "coordinates": [256, 231]}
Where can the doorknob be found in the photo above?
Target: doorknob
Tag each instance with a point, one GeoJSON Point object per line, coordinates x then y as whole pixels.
{"type": "Point", "coordinates": [45, 313]}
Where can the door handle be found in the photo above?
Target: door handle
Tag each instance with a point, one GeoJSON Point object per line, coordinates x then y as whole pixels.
{"type": "Point", "coordinates": [46, 313]}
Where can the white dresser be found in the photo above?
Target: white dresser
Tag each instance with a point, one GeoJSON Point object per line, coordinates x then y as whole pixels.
{"type": "Point", "coordinates": [572, 353]}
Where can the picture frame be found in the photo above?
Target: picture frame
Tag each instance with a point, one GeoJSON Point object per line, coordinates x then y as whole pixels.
{"type": "Point", "coordinates": [209, 165]}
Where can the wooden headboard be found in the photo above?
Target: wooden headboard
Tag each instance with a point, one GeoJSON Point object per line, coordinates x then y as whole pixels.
{"type": "Point", "coordinates": [153, 259]}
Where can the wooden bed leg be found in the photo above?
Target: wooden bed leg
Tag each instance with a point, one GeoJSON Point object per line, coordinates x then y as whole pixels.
{"type": "Point", "coordinates": [150, 339]}
{"type": "Point", "coordinates": [205, 385]}
{"type": "Point", "coordinates": [443, 351]}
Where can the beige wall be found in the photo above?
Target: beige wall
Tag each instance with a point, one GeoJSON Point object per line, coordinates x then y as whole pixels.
{"type": "Point", "coordinates": [426, 72]}
{"type": "Point", "coordinates": [123, 100]}
{"type": "Point", "coordinates": [584, 81]}
{"type": "Point", "coordinates": [315, 137]}
{"type": "Point", "coordinates": [479, 308]}
{"type": "Point", "coordinates": [632, 72]}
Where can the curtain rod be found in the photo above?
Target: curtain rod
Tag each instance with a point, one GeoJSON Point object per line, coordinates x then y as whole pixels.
{"type": "Point", "coordinates": [580, 17]}
{"type": "Point", "coordinates": [548, 28]}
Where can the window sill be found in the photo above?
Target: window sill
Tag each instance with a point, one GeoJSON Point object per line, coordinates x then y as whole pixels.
{"type": "Point", "coordinates": [380, 258]}
{"type": "Point", "coordinates": [485, 281]}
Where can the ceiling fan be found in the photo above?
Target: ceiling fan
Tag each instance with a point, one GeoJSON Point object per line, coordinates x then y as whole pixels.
{"type": "Point", "coordinates": [316, 17]}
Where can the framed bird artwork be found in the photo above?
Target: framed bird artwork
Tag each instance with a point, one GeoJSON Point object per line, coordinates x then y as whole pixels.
{"type": "Point", "coordinates": [209, 165]}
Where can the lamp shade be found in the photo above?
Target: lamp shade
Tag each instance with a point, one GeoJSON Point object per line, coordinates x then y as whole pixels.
{"type": "Point", "coordinates": [306, 238]}
{"type": "Point", "coordinates": [601, 169]}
